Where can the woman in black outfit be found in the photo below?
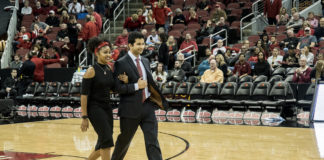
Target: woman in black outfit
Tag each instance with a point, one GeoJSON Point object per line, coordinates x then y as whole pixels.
{"type": "Point", "coordinates": [222, 65]}
{"type": "Point", "coordinates": [262, 67]}
{"type": "Point", "coordinates": [97, 83]}
{"type": "Point", "coordinates": [164, 51]}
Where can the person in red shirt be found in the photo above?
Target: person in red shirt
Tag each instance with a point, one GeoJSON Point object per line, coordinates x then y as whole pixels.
{"type": "Point", "coordinates": [271, 10]}
{"type": "Point", "coordinates": [192, 17]}
{"type": "Point", "coordinates": [141, 18]}
{"type": "Point", "coordinates": [37, 10]}
{"type": "Point", "coordinates": [302, 74]}
{"type": "Point", "coordinates": [89, 29]}
{"type": "Point", "coordinates": [132, 23]}
{"type": "Point", "coordinates": [273, 43]}
{"type": "Point", "coordinates": [122, 40]}
{"type": "Point", "coordinates": [186, 43]}
{"type": "Point", "coordinates": [97, 18]}
{"type": "Point", "coordinates": [51, 7]}
{"type": "Point", "coordinates": [26, 43]}
{"type": "Point", "coordinates": [39, 66]}
{"type": "Point", "coordinates": [19, 36]}
{"type": "Point", "coordinates": [242, 68]}
{"type": "Point", "coordinates": [160, 13]}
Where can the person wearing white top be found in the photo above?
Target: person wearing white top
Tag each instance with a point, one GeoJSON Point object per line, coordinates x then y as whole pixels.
{"type": "Point", "coordinates": [307, 55]}
{"type": "Point", "coordinates": [74, 7]}
{"type": "Point", "coordinates": [219, 47]}
{"type": "Point", "coordinates": [276, 59]}
{"type": "Point", "coordinates": [153, 39]}
{"type": "Point", "coordinates": [26, 9]}
{"type": "Point", "coordinates": [160, 75]}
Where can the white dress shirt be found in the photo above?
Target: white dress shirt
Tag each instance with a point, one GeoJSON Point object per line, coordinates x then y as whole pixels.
{"type": "Point", "coordinates": [76, 9]}
{"type": "Point", "coordinates": [147, 93]}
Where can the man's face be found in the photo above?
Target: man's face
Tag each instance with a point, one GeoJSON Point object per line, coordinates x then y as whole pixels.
{"type": "Point", "coordinates": [63, 26]}
{"type": "Point", "coordinates": [220, 43]}
{"type": "Point", "coordinates": [212, 64]}
{"type": "Point", "coordinates": [75, 1]}
{"type": "Point", "coordinates": [23, 29]}
{"type": "Point", "coordinates": [16, 58]}
{"type": "Point", "coordinates": [302, 62]}
{"type": "Point", "coordinates": [295, 16]}
{"type": "Point", "coordinates": [177, 64]}
{"type": "Point", "coordinates": [38, 5]}
{"type": "Point", "coordinates": [242, 58]}
{"type": "Point", "coordinates": [14, 73]}
{"type": "Point", "coordinates": [208, 52]}
{"type": "Point", "coordinates": [188, 37]}
{"type": "Point", "coordinates": [180, 57]}
{"type": "Point", "coordinates": [125, 32]}
{"type": "Point", "coordinates": [138, 46]}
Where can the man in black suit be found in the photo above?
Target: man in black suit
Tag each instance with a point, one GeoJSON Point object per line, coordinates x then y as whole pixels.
{"type": "Point", "coordinates": [138, 99]}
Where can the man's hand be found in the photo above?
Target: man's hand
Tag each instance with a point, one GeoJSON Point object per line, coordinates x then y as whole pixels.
{"type": "Point", "coordinates": [141, 83]}
{"type": "Point", "coordinates": [8, 89]}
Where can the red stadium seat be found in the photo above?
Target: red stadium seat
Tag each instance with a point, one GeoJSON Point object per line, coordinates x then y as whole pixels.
{"type": "Point", "coordinates": [179, 27]}
{"type": "Point", "coordinates": [178, 2]}
{"type": "Point", "coordinates": [233, 6]}
{"type": "Point", "coordinates": [194, 26]}
{"type": "Point", "coordinates": [281, 37]}
{"type": "Point", "coordinates": [271, 29]}
{"type": "Point", "coordinates": [176, 34]}
{"type": "Point", "coordinates": [253, 38]}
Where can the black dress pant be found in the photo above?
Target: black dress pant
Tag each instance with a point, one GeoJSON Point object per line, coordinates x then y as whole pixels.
{"type": "Point", "coordinates": [149, 126]}
{"type": "Point", "coordinates": [272, 21]}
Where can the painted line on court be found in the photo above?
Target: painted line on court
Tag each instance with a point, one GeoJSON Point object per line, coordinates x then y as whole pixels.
{"type": "Point", "coordinates": [184, 140]}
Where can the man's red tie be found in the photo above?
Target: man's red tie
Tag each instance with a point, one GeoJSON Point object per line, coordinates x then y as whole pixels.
{"type": "Point", "coordinates": [139, 69]}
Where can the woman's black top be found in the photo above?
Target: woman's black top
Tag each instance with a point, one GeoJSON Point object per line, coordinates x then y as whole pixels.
{"type": "Point", "coordinates": [223, 68]}
{"type": "Point", "coordinates": [262, 68]}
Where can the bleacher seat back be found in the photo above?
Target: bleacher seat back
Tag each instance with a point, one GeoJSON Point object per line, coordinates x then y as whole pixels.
{"type": "Point", "coordinates": [247, 78]}
{"type": "Point", "coordinates": [41, 89]}
{"type": "Point", "coordinates": [289, 78]}
{"type": "Point", "coordinates": [169, 89]}
{"type": "Point", "coordinates": [64, 89]}
{"type": "Point", "coordinates": [52, 88]}
{"type": "Point", "coordinates": [310, 92]}
{"type": "Point", "coordinates": [232, 79]}
{"type": "Point", "coordinates": [291, 71]}
{"type": "Point", "coordinates": [182, 90]}
{"type": "Point", "coordinates": [192, 79]}
{"type": "Point", "coordinates": [31, 88]}
{"type": "Point", "coordinates": [229, 90]}
{"type": "Point", "coordinates": [262, 89]}
{"type": "Point", "coordinates": [261, 78]}
{"type": "Point", "coordinates": [75, 89]}
{"type": "Point", "coordinates": [279, 90]}
{"type": "Point", "coordinates": [212, 90]}
{"type": "Point", "coordinates": [279, 71]}
{"type": "Point", "coordinates": [197, 91]}
{"type": "Point", "coordinates": [245, 90]}
{"type": "Point", "coordinates": [275, 79]}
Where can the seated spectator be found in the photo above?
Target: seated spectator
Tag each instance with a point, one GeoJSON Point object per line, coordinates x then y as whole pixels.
{"type": "Point", "coordinates": [26, 43]}
{"type": "Point", "coordinates": [85, 6]}
{"type": "Point", "coordinates": [153, 39]}
{"type": "Point", "coordinates": [37, 10]}
{"type": "Point", "coordinates": [319, 32]}
{"type": "Point", "coordinates": [219, 47]}
{"type": "Point", "coordinates": [43, 26]}
{"type": "Point", "coordinates": [90, 28]}
{"type": "Point", "coordinates": [9, 87]}
{"type": "Point", "coordinates": [177, 74]}
{"type": "Point", "coordinates": [290, 59]}
{"type": "Point", "coordinates": [192, 17]}
{"type": "Point", "coordinates": [149, 19]}
{"type": "Point", "coordinates": [74, 7]}
{"type": "Point", "coordinates": [68, 49]}
{"type": "Point", "coordinates": [64, 17]}
{"type": "Point", "coordinates": [207, 30]}
{"type": "Point", "coordinates": [273, 43]}
{"type": "Point", "coordinates": [41, 39]}
{"type": "Point", "coordinates": [173, 49]}
{"type": "Point", "coordinates": [283, 17]}
{"type": "Point", "coordinates": [242, 68]}
{"type": "Point", "coordinates": [51, 7]}
{"type": "Point", "coordinates": [312, 20]}
{"type": "Point", "coordinates": [44, 54]}
{"type": "Point", "coordinates": [246, 50]}
{"type": "Point", "coordinates": [295, 22]}
{"type": "Point", "coordinates": [262, 67]}
{"type": "Point", "coordinates": [186, 66]}
{"type": "Point", "coordinates": [262, 48]}
{"type": "Point", "coordinates": [220, 25]}
{"type": "Point", "coordinates": [26, 10]}
{"type": "Point", "coordinates": [73, 30]}
{"type": "Point", "coordinates": [221, 64]}
{"type": "Point", "coordinates": [212, 75]}
{"type": "Point", "coordinates": [19, 35]}
{"type": "Point", "coordinates": [204, 5]}
{"type": "Point", "coordinates": [16, 63]}
{"type": "Point", "coordinates": [290, 40]}
{"type": "Point", "coordinates": [318, 71]}
{"type": "Point", "coordinates": [254, 56]}
{"type": "Point", "coordinates": [302, 74]}
{"type": "Point", "coordinates": [97, 17]}
{"type": "Point", "coordinates": [219, 12]}
{"type": "Point", "coordinates": [122, 40]}
{"type": "Point", "coordinates": [308, 55]}
{"type": "Point", "coordinates": [36, 49]}
{"type": "Point", "coordinates": [276, 59]}
{"type": "Point", "coordinates": [301, 32]}
{"type": "Point", "coordinates": [204, 65]}
{"type": "Point", "coordinates": [179, 18]}
{"type": "Point", "coordinates": [132, 23]}
{"type": "Point", "coordinates": [52, 20]}
{"type": "Point", "coordinates": [186, 43]}
{"type": "Point", "coordinates": [62, 7]}
{"type": "Point", "coordinates": [293, 11]}
{"type": "Point", "coordinates": [141, 17]}
{"type": "Point", "coordinates": [308, 40]}
{"type": "Point", "coordinates": [159, 75]}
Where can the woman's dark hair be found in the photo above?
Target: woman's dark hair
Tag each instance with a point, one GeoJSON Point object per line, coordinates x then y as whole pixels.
{"type": "Point", "coordinates": [263, 59]}
{"type": "Point", "coordinates": [163, 37]}
{"type": "Point", "coordinates": [96, 41]}
{"type": "Point", "coordinates": [156, 70]}
{"type": "Point", "coordinates": [133, 36]}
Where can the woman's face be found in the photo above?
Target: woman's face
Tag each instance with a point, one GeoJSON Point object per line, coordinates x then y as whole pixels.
{"type": "Point", "coordinates": [259, 43]}
{"type": "Point", "coordinates": [284, 11]}
{"type": "Point", "coordinates": [171, 39]}
{"type": "Point", "coordinates": [260, 56]}
{"type": "Point", "coordinates": [160, 68]}
{"type": "Point", "coordinates": [217, 59]}
{"type": "Point", "coordinates": [104, 55]}
{"type": "Point", "coordinates": [257, 50]}
{"type": "Point", "coordinates": [275, 52]}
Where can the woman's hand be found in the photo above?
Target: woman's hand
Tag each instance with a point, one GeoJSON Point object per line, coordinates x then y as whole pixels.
{"type": "Point", "coordinates": [84, 125]}
{"type": "Point", "coordinates": [123, 77]}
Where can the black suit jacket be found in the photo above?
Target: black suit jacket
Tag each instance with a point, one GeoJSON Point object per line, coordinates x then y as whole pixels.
{"type": "Point", "coordinates": [130, 105]}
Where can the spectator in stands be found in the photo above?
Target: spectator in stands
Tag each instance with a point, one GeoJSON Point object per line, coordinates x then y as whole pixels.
{"type": "Point", "coordinates": [26, 72]}
{"type": "Point", "coordinates": [52, 20]}
{"type": "Point", "coordinates": [16, 63]}
{"type": "Point", "coordinates": [302, 74]}
{"type": "Point", "coordinates": [221, 64]}
{"type": "Point", "coordinates": [308, 40]}
{"type": "Point", "coordinates": [63, 7]}
{"type": "Point", "coordinates": [276, 59]}
{"type": "Point", "coordinates": [293, 11]}
{"type": "Point", "coordinates": [19, 35]}
{"type": "Point", "coordinates": [204, 65]}
{"type": "Point", "coordinates": [308, 55]}
{"type": "Point", "coordinates": [159, 75]}
{"type": "Point", "coordinates": [192, 17]}
{"type": "Point", "coordinates": [319, 32]}
{"type": "Point", "coordinates": [219, 12]}
{"type": "Point", "coordinates": [97, 17]}
{"type": "Point", "coordinates": [74, 7]}
{"type": "Point", "coordinates": [207, 30]}
{"type": "Point", "coordinates": [153, 39]}
{"type": "Point", "coordinates": [9, 88]}
{"type": "Point", "coordinates": [283, 17]}
{"type": "Point", "coordinates": [273, 43]}
{"type": "Point", "coordinates": [177, 74]}
{"type": "Point", "coordinates": [73, 30]}
{"type": "Point", "coordinates": [254, 56]}
{"type": "Point", "coordinates": [220, 25]}
{"type": "Point", "coordinates": [37, 10]}
{"type": "Point", "coordinates": [262, 66]}
{"type": "Point", "coordinates": [318, 71]}
{"type": "Point", "coordinates": [161, 30]}
{"type": "Point", "coordinates": [100, 6]}
{"type": "Point", "coordinates": [160, 13]}
{"type": "Point", "coordinates": [204, 5]}
{"type": "Point", "coordinates": [163, 51]}
{"type": "Point", "coordinates": [64, 18]}
{"type": "Point", "coordinates": [212, 75]}
{"type": "Point", "coordinates": [173, 49]}
{"type": "Point", "coordinates": [179, 18]}
{"type": "Point", "coordinates": [51, 7]}
{"type": "Point", "coordinates": [271, 10]}
{"type": "Point", "coordinates": [246, 50]}
{"type": "Point", "coordinates": [132, 23]}
{"type": "Point", "coordinates": [242, 68]}
{"type": "Point", "coordinates": [312, 20]}
{"type": "Point", "coordinates": [44, 53]}
{"type": "Point", "coordinates": [62, 33]}
{"type": "Point", "coordinates": [290, 60]}
{"type": "Point", "coordinates": [87, 4]}
{"type": "Point", "coordinates": [262, 48]}
{"type": "Point", "coordinates": [26, 43]}
{"type": "Point", "coordinates": [90, 28]}
{"type": "Point", "coordinates": [41, 39]}
{"type": "Point", "coordinates": [186, 43]}
{"type": "Point", "coordinates": [26, 10]}
{"type": "Point", "coordinates": [186, 66]}
{"type": "Point", "coordinates": [39, 66]}
{"type": "Point", "coordinates": [122, 40]}
{"type": "Point", "coordinates": [141, 18]}
{"type": "Point", "coordinates": [301, 32]}
{"type": "Point", "coordinates": [149, 19]}
{"type": "Point", "coordinates": [295, 22]}
{"type": "Point", "coordinates": [219, 47]}
{"type": "Point", "coordinates": [36, 49]}
{"type": "Point", "coordinates": [291, 39]}
{"type": "Point", "coordinates": [68, 49]}
{"type": "Point", "coordinates": [43, 26]}
{"type": "Point", "coordinates": [144, 32]}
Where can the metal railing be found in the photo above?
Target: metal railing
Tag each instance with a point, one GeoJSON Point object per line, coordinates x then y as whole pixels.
{"type": "Point", "coordinates": [211, 44]}
{"type": "Point", "coordinates": [192, 56]}
{"type": "Point", "coordinates": [84, 54]}
{"type": "Point", "coordinates": [296, 4]}
{"type": "Point", "coordinates": [120, 8]}
{"type": "Point", "coordinates": [106, 27]}
{"type": "Point", "coordinates": [8, 51]}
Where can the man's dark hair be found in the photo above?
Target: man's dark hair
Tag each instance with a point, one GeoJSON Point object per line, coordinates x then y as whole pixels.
{"type": "Point", "coordinates": [133, 36]}
{"type": "Point", "coordinates": [163, 37]}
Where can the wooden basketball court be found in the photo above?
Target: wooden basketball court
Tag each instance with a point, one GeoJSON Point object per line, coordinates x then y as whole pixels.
{"type": "Point", "coordinates": [62, 140]}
